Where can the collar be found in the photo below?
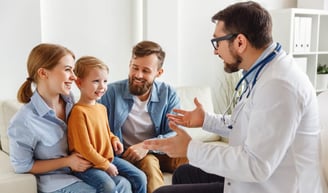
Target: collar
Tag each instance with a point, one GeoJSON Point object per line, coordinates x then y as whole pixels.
{"type": "Point", "coordinates": [264, 54]}
{"type": "Point", "coordinates": [41, 106]}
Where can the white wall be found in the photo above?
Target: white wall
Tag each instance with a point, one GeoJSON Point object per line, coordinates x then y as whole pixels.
{"type": "Point", "coordinates": [108, 29]}
{"type": "Point", "coordinates": [20, 31]}
{"type": "Point", "coordinates": [101, 28]}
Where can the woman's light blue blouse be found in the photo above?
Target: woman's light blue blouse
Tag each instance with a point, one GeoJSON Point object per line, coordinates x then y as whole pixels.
{"type": "Point", "coordinates": [35, 133]}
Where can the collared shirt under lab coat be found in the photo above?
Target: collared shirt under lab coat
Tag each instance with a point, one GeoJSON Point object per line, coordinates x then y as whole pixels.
{"type": "Point", "coordinates": [274, 142]}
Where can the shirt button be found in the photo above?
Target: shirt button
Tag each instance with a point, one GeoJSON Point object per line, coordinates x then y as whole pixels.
{"type": "Point", "coordinates": [228, 183]}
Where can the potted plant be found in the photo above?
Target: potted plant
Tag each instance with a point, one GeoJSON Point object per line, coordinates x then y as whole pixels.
{"type": "Point", "coordinates": [322, 77]}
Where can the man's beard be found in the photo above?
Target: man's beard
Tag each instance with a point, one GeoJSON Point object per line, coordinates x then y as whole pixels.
{"type": "Point", "coordinates": [139, 89]}
{"type": "Point", "coordinates": [233, 67]}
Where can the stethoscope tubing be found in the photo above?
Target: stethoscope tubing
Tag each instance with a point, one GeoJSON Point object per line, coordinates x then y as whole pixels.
{"type": "Point", "coordinates": [259, 66]}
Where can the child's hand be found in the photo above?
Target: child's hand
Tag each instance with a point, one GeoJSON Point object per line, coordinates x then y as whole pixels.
{"type": "Point", "coordinates": [117, 147]}
{"type": "Point", "coordinates": [112, 170]}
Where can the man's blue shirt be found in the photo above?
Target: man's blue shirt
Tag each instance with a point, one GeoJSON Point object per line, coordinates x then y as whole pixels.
{"type": "Point", "coordinates": [119, 102]}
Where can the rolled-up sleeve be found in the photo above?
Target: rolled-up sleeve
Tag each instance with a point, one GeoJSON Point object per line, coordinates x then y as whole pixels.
{"type": "Point", "coordinates": [21, 145]}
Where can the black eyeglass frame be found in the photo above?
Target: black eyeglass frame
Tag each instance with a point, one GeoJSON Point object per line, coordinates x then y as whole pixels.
{"type": "Point", "coordinates": [215, 41]}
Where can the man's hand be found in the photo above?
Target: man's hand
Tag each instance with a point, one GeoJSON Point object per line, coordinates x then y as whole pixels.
{"type": "Point", "coordinates": [135, 153]}
{"type": "Point", "coordinates": [176, 146]}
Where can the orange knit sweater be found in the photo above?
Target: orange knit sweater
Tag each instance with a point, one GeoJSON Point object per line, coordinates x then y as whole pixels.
{"type": "Point", "coordinates": [89, 134]}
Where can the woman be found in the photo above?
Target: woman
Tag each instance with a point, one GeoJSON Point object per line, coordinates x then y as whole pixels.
{"type": "Point", "coordinates": [37, 133]}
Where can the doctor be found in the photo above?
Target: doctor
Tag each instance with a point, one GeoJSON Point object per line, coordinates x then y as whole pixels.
{"type": "Point", "coordinates": [274, 129]}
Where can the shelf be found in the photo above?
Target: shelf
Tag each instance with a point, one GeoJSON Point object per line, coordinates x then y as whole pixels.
{"type": "Point", "coordinates": [303, 34]}
{"type": "Point", "coordinates": [304, 53]}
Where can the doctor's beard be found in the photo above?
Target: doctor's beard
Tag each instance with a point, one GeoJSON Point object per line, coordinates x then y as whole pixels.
{"type": "Point", "coordinates": [233, 67]}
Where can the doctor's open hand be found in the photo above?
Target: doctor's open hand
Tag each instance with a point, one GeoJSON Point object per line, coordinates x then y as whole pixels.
{"type": "Point", "coordinates": [194, 118]}
{"type": "Point", "coordinates": [175, 146]}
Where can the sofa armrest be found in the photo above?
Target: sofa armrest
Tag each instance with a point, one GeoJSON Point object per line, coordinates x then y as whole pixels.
{"type": "Point", "coordinates": [12, 182]}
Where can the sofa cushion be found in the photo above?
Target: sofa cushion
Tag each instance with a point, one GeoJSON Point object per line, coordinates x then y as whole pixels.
{"type": "Point", "coordinates": [12, 182]}
{"type": "Point", "coordinates": [204, 96]}
{"type": "Point", "coordinates": [7, 109]}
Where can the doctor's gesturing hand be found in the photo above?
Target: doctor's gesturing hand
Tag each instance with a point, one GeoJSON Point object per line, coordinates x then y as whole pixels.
{"type": "Point", "coordinates": [194, 118]}
{"type": "Point", "coordinates": [177, 146]}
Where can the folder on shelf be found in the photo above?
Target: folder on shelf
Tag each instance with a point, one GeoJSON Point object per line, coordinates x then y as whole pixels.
{"type": "Point", "coordinates": [302, 34]}
{"type": "Point", "coordinates": [296, 43]}
{"type": "Point", "coordinates": [307, 33]}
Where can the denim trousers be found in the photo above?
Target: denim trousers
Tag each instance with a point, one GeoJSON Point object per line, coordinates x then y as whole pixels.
{"type": "Point", "coordinates": [187, 178]}
{"type": "Point", "coordinates": [130, 178]}
{"type": "Point", "coordinates": [77, 187]}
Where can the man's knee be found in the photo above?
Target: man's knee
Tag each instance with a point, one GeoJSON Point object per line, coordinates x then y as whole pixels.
{"type": "Point", "coordinates": [148, 163]}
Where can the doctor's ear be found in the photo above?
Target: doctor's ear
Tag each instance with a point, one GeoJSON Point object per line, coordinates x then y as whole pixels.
{"type": "Point", "coordinates": [240, 42]}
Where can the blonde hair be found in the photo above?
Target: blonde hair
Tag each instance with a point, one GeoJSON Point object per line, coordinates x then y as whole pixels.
{"type": "Point", "coordinates": [46, 56]}
{"type": "Point", "coordinates": [85, 63]}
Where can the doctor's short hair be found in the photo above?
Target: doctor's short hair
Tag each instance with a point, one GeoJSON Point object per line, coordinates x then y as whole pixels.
{"type": "Point", "coordinates": [146, 48]}
{"type": "Point", "coordinates": [247, 18]}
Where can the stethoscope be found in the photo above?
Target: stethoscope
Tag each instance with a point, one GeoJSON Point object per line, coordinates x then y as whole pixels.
{"type": "Point", "coordinates": [259, 66]}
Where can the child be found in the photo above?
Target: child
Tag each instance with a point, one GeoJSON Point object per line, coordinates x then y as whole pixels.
{"type": "Point", "coordinates": [89, 134]}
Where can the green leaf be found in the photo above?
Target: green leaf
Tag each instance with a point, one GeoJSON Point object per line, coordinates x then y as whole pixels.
{"type": "Point", "coordinates": [322, 69]}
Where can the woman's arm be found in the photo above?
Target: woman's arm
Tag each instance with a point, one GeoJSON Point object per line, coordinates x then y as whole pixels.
{"type": "Point", "coordinates": [74, 161]}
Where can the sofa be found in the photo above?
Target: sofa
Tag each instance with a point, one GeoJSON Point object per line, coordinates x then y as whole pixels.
{"type": "Point", "coordinates": [26, 183]}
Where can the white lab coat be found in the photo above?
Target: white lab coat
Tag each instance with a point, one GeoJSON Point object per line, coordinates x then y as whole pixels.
{"type": "Point", "coordinates": [274, 142]}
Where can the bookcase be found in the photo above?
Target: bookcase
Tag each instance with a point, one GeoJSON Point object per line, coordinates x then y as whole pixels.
{"type": "Point", "coordinates": [303, 33]}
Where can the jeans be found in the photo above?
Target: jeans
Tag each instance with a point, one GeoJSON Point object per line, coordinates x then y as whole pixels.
{"type": "Point", "coordinates": [136, 177]}
{"type": "Point", "coordinates": [129, 177]}
{"type": "Point", "coordinates": [77, 187]}
{"type": "Point", "coordinates": [190, 179]}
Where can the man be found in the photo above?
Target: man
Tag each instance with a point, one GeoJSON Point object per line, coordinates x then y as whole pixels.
{"type": "Point", "coordinates": [137, 109]}
{"type": "Point", "coordinates": [274, 129]}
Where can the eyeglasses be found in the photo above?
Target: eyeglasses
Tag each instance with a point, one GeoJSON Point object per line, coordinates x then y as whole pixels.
{"type": "Point", "coordinates": [215, 41]}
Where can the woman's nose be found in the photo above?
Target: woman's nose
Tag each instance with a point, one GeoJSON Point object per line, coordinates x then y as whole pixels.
{"type": "Point", "coordinates": [73, 76]}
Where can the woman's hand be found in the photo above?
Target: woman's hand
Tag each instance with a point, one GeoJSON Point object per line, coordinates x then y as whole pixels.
{"type": "Point", "coordinates": [78, 163]}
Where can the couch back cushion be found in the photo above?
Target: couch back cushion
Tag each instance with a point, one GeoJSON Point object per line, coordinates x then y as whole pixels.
{"type": "Point", "coordinates": [7, 109]}
{"type": "Point", "coordinates": [204, 96]}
